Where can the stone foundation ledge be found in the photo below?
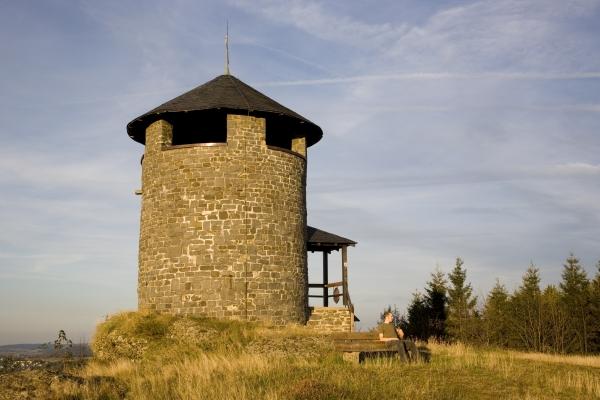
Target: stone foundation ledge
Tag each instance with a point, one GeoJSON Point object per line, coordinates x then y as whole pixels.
{"type": "Point", "coordinates": [330, 319]}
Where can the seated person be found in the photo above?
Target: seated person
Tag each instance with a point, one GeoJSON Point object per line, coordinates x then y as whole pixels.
{"type": "Point", "coordinates": [387, 331]}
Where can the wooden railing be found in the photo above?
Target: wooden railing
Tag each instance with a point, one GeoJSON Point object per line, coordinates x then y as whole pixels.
{"type": "Point", "coordinates": [343, 284]}
{"type": "Point", "coordinates": [343, 294]}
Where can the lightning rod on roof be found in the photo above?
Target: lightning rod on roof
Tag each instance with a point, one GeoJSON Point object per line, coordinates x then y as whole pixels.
{"type": "Point", "coordinates": [227, 49]}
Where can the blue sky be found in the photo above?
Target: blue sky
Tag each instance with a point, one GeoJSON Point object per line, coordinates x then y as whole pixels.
{"type": "Point", "coordinates": [451, 128]}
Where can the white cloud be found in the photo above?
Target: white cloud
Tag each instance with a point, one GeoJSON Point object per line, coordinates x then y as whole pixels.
{"type": "Point", "coordinates": [314, 19]}
{"type": "Point", "coordinates": [435, 76]}
{"type": "Point", "coordinates": [53, 171]}
{"type": "Point", "coordinates": [577, 168]}
{"type": "Point", "coordinates": [529, 35]}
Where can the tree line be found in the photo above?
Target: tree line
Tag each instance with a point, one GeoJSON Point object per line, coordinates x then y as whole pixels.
{"type": "Point", "coordinates": [563, 318]}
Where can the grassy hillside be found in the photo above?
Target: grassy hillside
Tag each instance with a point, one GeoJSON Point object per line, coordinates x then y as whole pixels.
{"type": "Point", "coordinates": [145, 356]}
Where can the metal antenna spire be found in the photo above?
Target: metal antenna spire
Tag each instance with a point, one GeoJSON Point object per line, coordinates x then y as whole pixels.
{"type": "Point", "coordinates": [227, 49]}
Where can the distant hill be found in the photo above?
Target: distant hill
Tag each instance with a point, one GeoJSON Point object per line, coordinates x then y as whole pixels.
{"type": "Point", "coordinates": [42, 350]}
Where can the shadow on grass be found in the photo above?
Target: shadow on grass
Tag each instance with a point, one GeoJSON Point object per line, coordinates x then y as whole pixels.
{"type": "Point", "coordinates": [424, 353]}
{"type": "Point", "coordinates": [424, 356]}
{"type": "Point", "coordinates": [310, 389]}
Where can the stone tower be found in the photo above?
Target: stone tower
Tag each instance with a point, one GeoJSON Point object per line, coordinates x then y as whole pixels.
{"type": "Point", "coordinates": [223, 220]}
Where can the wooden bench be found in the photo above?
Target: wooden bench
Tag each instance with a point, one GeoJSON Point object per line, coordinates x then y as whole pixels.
{"type": "Point", "coordinates": [353, 344]}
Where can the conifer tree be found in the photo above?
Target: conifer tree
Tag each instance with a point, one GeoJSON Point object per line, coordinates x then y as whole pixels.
{"type": "Point", "coordinates": [526, 311]}
{"type": "Point", "coordinates": [576, 298]}
{"type": "Point", "coordinates": [496, 316]}
{"type": "Point", "coordinates": [417, 323]}
{"type": "Point", "coordinates": [461, 304]}
{"type": "Point", "coordinates": [436, 301]}
{"type": "Point", "coordinates": [595, 312]}
{"type": "Point", "coordinates": [555, 320]}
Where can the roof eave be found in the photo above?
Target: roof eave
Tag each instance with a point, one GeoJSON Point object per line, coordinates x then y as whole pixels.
{"type": "Point", "coordinates": [136, 128]}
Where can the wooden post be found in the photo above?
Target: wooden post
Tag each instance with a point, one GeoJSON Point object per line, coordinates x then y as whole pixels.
{"type": "Point", "coordinates": [325, 280]}
{"type": "Point", "coordinates": [345, 273]}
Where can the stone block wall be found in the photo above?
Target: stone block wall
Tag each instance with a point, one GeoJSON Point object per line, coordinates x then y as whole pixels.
{"type": "Point", "coordinates": [331, 319]}
{"type": "Point", "coordinates": [223, 227]}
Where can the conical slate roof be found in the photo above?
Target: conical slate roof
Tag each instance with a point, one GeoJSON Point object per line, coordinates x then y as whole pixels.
{"type": "Point", "coordinates": [227, 93]}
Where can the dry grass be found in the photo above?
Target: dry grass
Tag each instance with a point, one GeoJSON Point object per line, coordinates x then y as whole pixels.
{"type": "Point", "coordinates": [455, 372]}
{"type": "Point", "coordinates": [206, 376]}
{"type": "Point", "coordinates": [586, 361]}
{"type": "Point", "coordinates": [557, 377]}
{"type": "Point", "coordinates": [256, 366]}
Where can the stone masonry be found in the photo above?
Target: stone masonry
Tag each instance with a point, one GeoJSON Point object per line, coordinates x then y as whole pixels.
{"type": "Point", "coordinates": [331, 319]}
{"type": "Point", "coordinates": [223, 226]}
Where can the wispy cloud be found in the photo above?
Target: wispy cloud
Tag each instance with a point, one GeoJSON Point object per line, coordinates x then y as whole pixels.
{"type": "Point", "coordinates": [52, 171]}
{"type": "Point", "coordinates": [533, 35]}
{"type": "Point", "coordinates": [577, 168]}
{"type": "Point", "coordinates": [530, 35]}
{"type": "Point", "coordinates": [435, 76]}
{"type": "Point", "coordinates": [312, 17]}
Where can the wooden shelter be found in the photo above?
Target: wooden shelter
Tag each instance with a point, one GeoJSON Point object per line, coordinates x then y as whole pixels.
{"type": "Point", "coordinates": [325, 242]}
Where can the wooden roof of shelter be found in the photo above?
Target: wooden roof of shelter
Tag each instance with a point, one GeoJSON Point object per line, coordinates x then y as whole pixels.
{"type": "Point", "coordinates": [318, 240]}
{"type": "Point", "coordinates": [225, 93]}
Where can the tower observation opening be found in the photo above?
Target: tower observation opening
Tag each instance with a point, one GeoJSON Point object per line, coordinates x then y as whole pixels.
{"type": "Point", "coordinates": [199, 127]}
